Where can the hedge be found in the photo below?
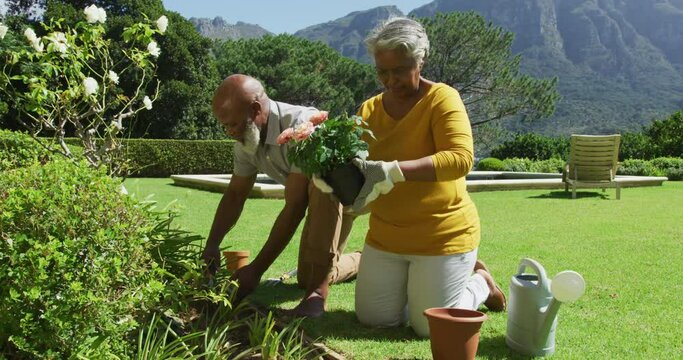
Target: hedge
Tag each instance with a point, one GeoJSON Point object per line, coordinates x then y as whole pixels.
{"type": "Point", "coordinates": [164, 157]}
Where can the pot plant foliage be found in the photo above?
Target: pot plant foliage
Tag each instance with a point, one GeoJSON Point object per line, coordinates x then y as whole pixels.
{"type": "Point", "coordinates": [320, 145]}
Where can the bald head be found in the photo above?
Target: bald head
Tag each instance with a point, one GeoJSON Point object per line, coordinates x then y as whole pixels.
{"type": "Point", "coordinates": [237, 99]}
{"type": "Point", "coordinates": [237, 89]}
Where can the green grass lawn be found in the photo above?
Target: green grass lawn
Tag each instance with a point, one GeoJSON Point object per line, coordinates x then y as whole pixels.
{"type": "Point", "coordinates": [629, 251]}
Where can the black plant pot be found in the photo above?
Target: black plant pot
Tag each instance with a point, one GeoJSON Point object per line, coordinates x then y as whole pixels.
{"type": "Point", "coordinates": [346, 182]}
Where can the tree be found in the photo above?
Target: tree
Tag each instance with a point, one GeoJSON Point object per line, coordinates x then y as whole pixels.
{"type": "Point", "coordinates": [186, 68]}
{"type": "Point", "coordinates": [667, 135]}
{"type": "Point", "coordinates": [299, 71]}
{"type": "Point", "coordinates": [69, 78]}
{"type": "Point", "coordinates": [475, 57]}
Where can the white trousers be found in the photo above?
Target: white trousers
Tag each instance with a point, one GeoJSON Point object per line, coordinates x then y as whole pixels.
{"type": "Point", "coordinates": [393, 288]}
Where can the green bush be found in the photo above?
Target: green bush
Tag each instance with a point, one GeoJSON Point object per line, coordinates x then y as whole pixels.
{"type": "Point", "coordinates": [162, 158]}
{"type": "Point", "coordinates": [664, 163]}
{"type": "Point", "coordinates": [547, 166]}
{"type": "Point", "coordinates": [667, 135]}
{"type": "Point", "coordinates": [674, 174]}
{"type": "Point", "coordinates": [636, 146]}
{"type": "Point", "coordinates": [638, 167]}
{"type": "Point", "coordinates": [490, 164]}
{"type": "Point", "coordinates": [518, 164]}
{"type": "Point", "coordinates": [670, 167]}
{"type": "Point", "coordinates": [74, 262]}
{"type": "Point", "coordinates": [532, 146]}
{"type": "Point", "coordinates": [18, 149]}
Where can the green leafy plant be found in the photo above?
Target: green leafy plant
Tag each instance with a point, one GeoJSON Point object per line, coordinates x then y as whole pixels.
{"type": "Point", "coordinates": [273, 343]}
{"type": "Point", "coordinates": [18, 150]}
{"type": "Point", "coordinates": [490, 164]}
{"type": "Point", "coordinates": [322, 144]}
{"type": "Point", "coordinates": [68, 79]}
{"type": "Point", "coordinates": [75, 261]}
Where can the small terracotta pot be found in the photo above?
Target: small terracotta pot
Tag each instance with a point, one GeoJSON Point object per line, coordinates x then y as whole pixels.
{"type": "Point", "coordinates": [454, 333]}
{"type": "Point", "coordinates": [346, 182]}
{"type": "Point", "coordinates": [236, 259]}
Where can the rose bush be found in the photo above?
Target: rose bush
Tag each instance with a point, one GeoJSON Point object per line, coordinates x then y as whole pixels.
{"type": "Point", "coordinates": [68, 79]}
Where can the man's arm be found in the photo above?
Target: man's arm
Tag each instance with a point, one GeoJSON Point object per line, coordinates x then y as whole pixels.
{"type": "Point", "coordinates": [228, 212]}
{"type": "Point", "coordinates": [296, 202]}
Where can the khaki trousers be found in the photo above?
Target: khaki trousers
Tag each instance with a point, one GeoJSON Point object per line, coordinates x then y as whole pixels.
{"type": "Point", "coordinates": [323, 239]}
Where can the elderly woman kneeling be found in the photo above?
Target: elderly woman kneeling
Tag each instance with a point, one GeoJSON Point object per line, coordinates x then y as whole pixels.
{"type": "Point", "coordinates": [421, 247]}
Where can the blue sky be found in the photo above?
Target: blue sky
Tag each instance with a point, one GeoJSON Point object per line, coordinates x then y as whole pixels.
{"type": "Point", "coordinates": [280, 16]}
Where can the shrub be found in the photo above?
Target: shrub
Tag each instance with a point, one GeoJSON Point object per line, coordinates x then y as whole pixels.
{"type": "Point", "coordinates": [162, 158]}
{"type": "Point", "coordinates": [18, 149]}
{"type": "Point", "coordinates": [532, 146]}
{"type": "Point", "coordinates": [74, 262]}
{"type": "Point", "coordinates": [636, 146]}
{"type": "Point", "coordinates": [670, 167]}
{"type": "Point", "coordinates": [517, 164]}
{"type": "Point", "coordinates": [667, 135]}
{"type": "Point", "coordinates": [547, 166]}
{"type": "Point", "coordinates": [664, 163]}
{"type": "Point", "coordinates": [638, 167]}
{"type": "Point", "coordinates": [674, 174]}
{"type": "Point", "coordinates": [490, 164]}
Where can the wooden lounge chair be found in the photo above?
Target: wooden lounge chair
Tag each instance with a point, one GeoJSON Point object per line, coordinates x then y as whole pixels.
{"type": "Point", "coordinates": [593, 161]}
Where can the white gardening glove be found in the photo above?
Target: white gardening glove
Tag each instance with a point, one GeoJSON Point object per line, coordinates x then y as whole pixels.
{"type": "Point", "coordinates": [380, 177]}
{"type": "Point", "coordinates": [321, 184]}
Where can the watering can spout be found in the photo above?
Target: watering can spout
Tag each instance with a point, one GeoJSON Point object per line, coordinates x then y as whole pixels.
{"type": "Point", "coordinates": [548, 318]}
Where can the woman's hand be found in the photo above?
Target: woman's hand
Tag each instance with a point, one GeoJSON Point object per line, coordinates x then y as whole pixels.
{"type": "Point", "coordinates": [380, 177]}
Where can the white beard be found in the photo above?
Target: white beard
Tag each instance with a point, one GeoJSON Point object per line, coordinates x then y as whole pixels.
{"type": "Point", "coordinates": [252, 137]}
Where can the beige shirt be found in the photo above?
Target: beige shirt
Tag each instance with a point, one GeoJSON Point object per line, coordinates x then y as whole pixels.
{"type": "Point", "coordinates": [271, 158]}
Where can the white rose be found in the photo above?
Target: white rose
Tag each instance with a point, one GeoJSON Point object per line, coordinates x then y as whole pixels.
{"type": "Point", "coordinates": [153, 49]}
{"type": "Point", "coordinates": [61, 47]}
{"type": "Point", "coordinates": [38, 45]}
{"type": "Point", "coordinates": [59, 41]}
{"type": "Point", "coordinates": [94, 14]}
{"type": "Point", "coordinates": [162, 23]}
{"type": "Point", "coordinates": [30, 35]}
{"type": "Point", "coordinates": [102, 15]}
{"type": "Point", "coordinates": [90, 86]}
{"type": "Point", "coordinates": [148, 103]}
{"type": "Point", "coordinates": [114, 77]}
{"type": "Point", "coordinates": [3, 31]}
{"type": "Point", "coordinates": [58, 36]}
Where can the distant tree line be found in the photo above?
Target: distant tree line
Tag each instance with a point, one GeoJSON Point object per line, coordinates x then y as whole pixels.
{"type": "Point", "coordinates": [662, 138]}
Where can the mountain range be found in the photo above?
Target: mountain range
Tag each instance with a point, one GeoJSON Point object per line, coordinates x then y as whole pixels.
{"type": "Point", "coordinates": [619, 62]}
{"type": "Point", "coordinates": [218, 28]}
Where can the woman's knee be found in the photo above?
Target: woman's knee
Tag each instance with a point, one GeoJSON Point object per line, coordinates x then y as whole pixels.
{"type": "Point", "coordinates": [377, 316]}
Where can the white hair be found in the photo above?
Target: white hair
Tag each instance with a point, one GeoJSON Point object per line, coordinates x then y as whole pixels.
{"type": "Point", "coordinates": [400, 33]}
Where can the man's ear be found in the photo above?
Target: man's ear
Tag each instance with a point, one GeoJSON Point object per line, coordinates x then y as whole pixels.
{"type": "Point", "coordinates": [256, 108]}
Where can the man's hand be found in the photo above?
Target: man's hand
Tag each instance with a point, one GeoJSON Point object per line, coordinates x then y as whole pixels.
{"type": "Point", "coordinates": [248, 278]}
{"type": "Point", "coordinates": [212, 258]}
{"type": "Point", "coordinates": [380, 177]}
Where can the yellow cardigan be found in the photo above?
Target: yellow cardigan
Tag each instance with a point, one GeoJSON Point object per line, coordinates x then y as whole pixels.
{"type": "Point", "coordinates": [424, 218]}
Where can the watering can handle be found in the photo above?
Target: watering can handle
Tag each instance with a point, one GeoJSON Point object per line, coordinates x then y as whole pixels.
{"type": "Point", "coordinates": [542, 277]}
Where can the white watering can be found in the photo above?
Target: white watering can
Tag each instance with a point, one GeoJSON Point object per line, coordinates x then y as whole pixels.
{"type": "Point", "coordinates": [533, 305]}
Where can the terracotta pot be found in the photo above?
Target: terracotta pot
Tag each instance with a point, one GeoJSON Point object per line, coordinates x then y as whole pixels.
{"type": "Point", "coordinates": [346, 182]}
{"type": "Point", "coordinates": [454, 333]}
{"type": "Point", "coordinates": [236, 259]}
